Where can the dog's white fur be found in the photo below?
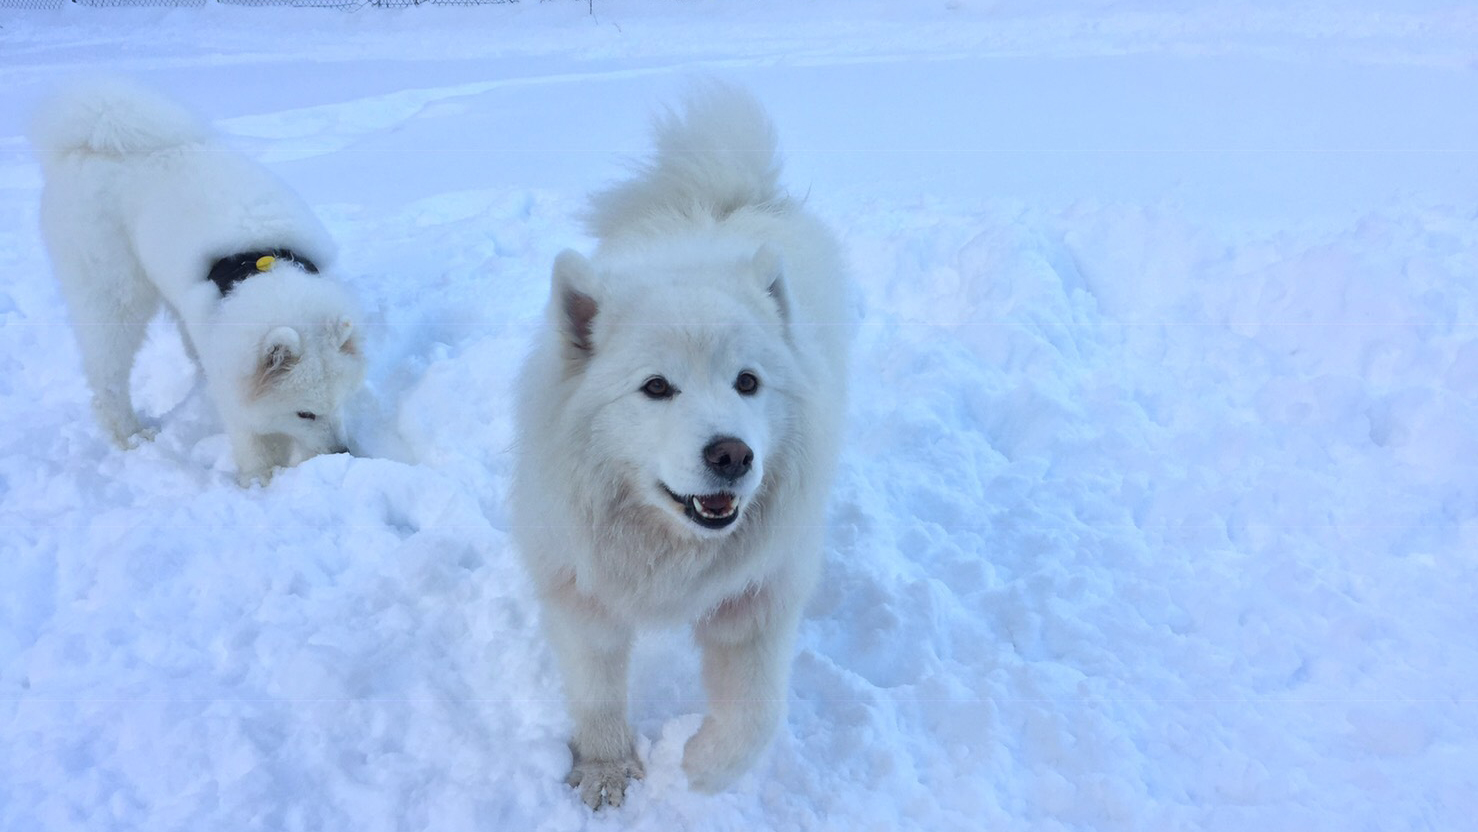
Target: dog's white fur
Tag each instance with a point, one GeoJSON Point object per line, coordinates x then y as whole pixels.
{"type": "Point", "coordinates": [140, 199]}
{"type": "Point", "coordinates": [705, 269]}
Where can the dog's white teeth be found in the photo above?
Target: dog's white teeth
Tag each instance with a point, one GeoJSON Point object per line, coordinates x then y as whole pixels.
{"type": "Point", "coordinates": [709, 514]}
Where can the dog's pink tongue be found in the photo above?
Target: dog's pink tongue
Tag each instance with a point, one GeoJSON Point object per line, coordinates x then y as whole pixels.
{"type": "Point", "coordinates": [716, 503]}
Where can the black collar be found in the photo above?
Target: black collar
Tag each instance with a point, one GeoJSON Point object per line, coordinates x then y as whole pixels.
{"type": "Point", "coordinates": [226, 272]}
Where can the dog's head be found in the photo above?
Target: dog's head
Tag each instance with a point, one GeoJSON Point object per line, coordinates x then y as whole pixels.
{"type": "Point", "coordinates": [301, 379]}
{"type": "Point", "coordinates": [687, 391]}
{"type": "Point", "coordinates": [296, 356]}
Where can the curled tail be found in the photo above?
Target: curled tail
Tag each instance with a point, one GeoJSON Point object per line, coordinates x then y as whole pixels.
{"type": "Point", "coordinates": [111, 117]}
{"type": "Point", "coordinates": [714, 157]}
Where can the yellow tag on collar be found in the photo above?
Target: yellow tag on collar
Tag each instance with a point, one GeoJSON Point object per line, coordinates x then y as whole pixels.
{"type": "Point", "coordinates": [264, 263]}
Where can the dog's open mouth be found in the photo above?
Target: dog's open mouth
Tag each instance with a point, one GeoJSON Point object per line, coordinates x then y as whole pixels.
{"type": "Point", "coordinates": [711, 511]}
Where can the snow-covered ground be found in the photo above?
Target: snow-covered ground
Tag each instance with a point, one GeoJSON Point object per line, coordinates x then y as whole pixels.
{"type": "Point", "coordinates": [1161, 499]}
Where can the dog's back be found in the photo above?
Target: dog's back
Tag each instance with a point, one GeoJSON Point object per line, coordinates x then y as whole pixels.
{"type": "Point", "coordinates": [130, 174]}
{"type": "Point", "coordinates": [89, 139]}
{"type": "Point", "coordinates": [110, 118]}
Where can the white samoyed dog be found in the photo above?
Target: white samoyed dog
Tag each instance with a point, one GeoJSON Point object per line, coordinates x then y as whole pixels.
{"type": "Point", "coordinates": [142, 204]}
{"type": "Point", "coordinates": [679, 422]}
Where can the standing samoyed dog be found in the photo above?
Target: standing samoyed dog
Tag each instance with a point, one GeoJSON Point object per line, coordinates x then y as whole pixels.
{"type": "Point", "coordinates": [679, 424]}
{"type": "Point", "coordinates": [142, 203]}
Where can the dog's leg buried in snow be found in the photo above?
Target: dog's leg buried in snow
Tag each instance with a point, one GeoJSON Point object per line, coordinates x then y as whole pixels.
{"type": "Point", "coordinates": [678, 426]}
{"type": "Point", "coordinates": [746, 646]}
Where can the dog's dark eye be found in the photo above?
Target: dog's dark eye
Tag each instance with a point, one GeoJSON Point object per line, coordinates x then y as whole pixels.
{"type": "Point", "coordinates": [747, 384]}
{"type": "Point", "coordinates": [303, 414]}
{"type": "Point", "coordinates": [657, 388]}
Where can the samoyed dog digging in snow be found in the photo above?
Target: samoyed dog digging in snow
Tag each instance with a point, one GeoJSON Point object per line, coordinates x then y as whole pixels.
{"type": "Point", "coordinates": [143, 204]}
{"type": "Point", "coordinates": [679, 421]}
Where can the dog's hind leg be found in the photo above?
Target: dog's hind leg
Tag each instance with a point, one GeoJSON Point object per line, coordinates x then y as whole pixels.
{"type": "Point", "coordinates": [746, 645]}
{"type": "Point", "coordinates": [593, 651]}
{"type": "Point", "coordinates": [111, 304]}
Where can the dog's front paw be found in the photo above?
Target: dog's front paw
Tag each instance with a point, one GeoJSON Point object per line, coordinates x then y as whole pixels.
{"type": "Point", "coordinates": [603, 782]}
{"type": "Point", "coordinates": [715, 756]}
{"type": "Point", "coordinates": [137, 438]}
{"type": "Point", "coordinates": [130, 435]}
{"type": "Point", "coordinates": [245, 478]}
{"type": "Point", "coordinates": [119, 422]}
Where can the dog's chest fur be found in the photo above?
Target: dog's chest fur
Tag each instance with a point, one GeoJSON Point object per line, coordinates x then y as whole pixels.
{"type": "Point", "coordinates": [635, 564]}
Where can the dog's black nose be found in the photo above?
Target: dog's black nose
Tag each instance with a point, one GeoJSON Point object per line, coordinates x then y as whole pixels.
{"type": "Point", "coordinates": [728, 457]}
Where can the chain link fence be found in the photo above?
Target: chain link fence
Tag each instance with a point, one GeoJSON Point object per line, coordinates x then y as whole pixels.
{"type": "Point", "coordinates": [117, 3]}
{"type": "Point", "coordinates": [57, 4]}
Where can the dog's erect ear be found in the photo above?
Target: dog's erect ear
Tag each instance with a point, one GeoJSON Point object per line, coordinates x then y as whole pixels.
{"type": "Point", "coordinates": [771, 271]}
{"type": "Point", "coordinates": [341, 333]}
{"type": "Point", "coordinates": [281, 348]}
{"type": "Point", "coordinates": [277, 354]}
{"type": "Point", "coordinates": [572, 303]}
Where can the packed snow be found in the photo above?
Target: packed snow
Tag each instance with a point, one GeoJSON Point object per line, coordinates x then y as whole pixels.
{"type": "Point", "coordinates": [1160, 492]}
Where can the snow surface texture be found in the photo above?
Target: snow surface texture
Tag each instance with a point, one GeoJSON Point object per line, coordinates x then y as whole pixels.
{"type": "Point", "coordinates": [1162, 492]}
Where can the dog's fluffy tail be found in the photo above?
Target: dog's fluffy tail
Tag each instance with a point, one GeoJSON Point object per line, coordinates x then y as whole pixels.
{"type": "Point", "coordinates": [715, 156]}
{"type": "Point", "coordinates": [111, 117]}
